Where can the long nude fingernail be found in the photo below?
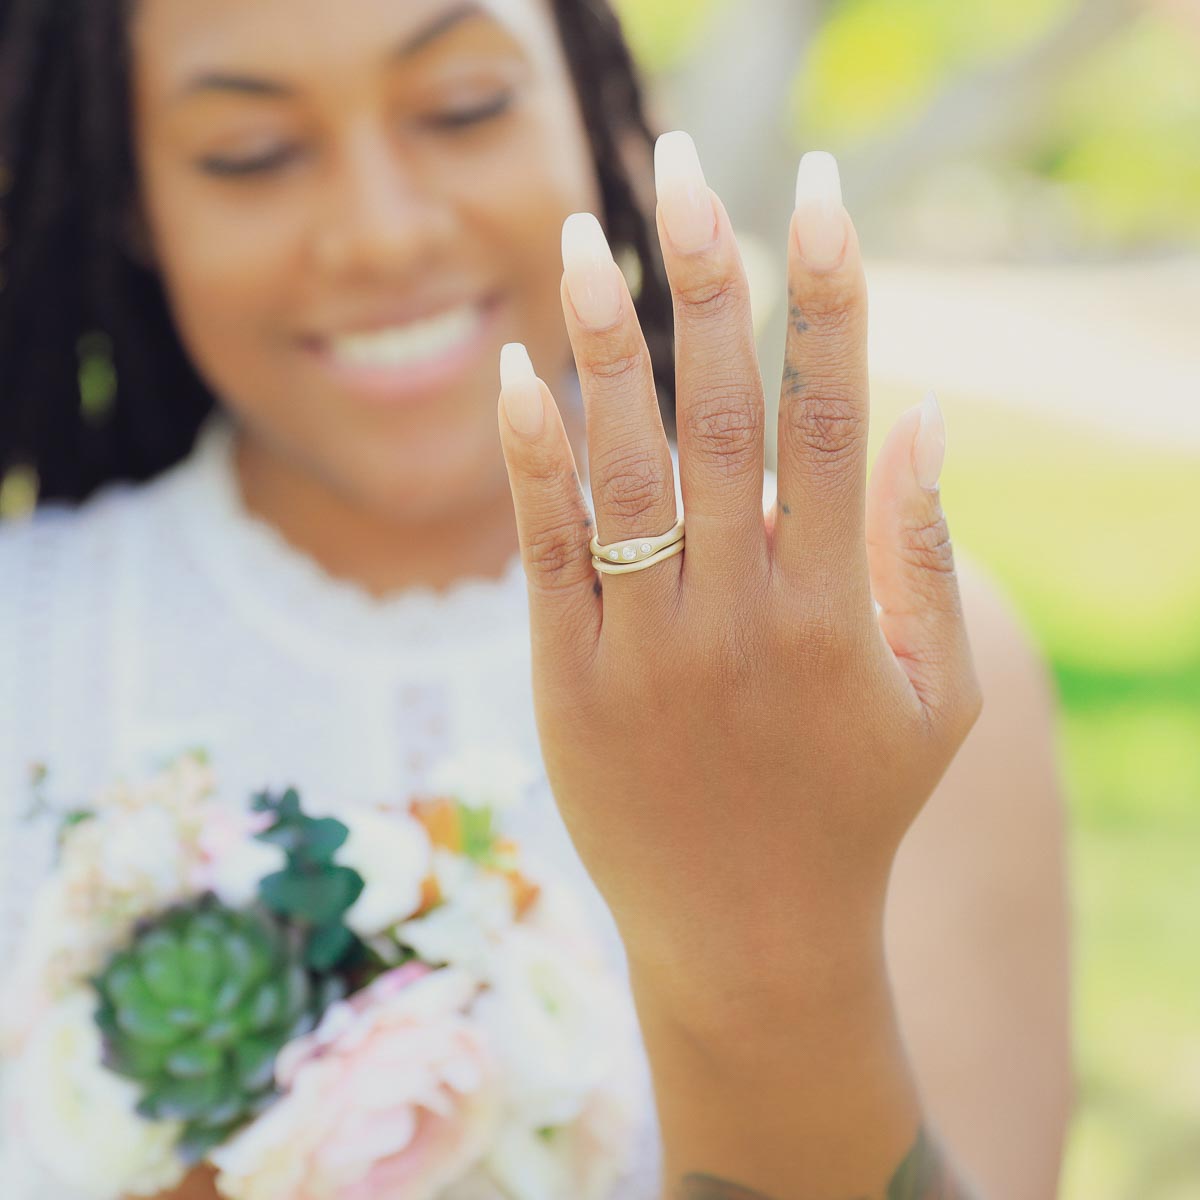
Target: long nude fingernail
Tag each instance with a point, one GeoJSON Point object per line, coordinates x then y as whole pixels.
{"type": "Point", "coordinates": [591, 271]}
{"type": "Point", "coordinates": [520, 392]}
{"type": "Point", "coordinates": [687, 207]}
{"type": "Point", "coordinates": [929, 445]}
{"type": "Point", "coordinates": [820, 214]}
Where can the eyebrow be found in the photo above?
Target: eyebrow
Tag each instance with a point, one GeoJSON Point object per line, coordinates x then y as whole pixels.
{"type": "Point", "coordinates": [251, 85]}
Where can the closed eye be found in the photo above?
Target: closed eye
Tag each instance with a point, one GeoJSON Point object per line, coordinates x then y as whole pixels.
{"type": "Point", "coordinates": [450, 122]}
{"type": "Point", "coordinates": [249, 166]}
{"type": "Point", "coordinates": [463, 118]}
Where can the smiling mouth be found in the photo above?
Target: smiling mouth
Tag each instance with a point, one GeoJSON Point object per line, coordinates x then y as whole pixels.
{"type": "Point", "coordinates": [407, 345]}
{"type": "Point", "coordinates": [408, 358]}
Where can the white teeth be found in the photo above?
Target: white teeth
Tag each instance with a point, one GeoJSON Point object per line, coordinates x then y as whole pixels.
{"type": "Point", "coordinates": [404, 345]}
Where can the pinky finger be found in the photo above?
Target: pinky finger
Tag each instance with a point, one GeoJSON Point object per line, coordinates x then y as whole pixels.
{"type": "Point", "coordinates": [554, 523]}
{"type": "Point", "coordinates": [912, 565]}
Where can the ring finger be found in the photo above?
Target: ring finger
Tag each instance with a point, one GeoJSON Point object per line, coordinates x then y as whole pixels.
{"type": "Point", "coordinates": [629, 461]}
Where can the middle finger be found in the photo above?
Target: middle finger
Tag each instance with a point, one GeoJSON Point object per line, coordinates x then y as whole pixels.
{"type": "Point", "coordinates": [719, 392]}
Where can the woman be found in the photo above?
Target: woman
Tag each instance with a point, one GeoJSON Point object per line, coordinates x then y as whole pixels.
{"type": "Point", "coordinates": [321, 224]}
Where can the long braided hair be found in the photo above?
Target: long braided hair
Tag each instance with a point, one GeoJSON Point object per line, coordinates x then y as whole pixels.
{"type": "Point", "coordinates": [95, 384]}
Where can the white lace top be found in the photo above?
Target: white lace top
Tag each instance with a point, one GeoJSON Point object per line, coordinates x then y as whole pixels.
{"type": "Point", "coordinates": [163, 616]}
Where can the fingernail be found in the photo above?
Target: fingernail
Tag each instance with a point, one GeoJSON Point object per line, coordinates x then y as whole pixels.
{"type": "Point", "coordinates": [820, 214]}
{"type": "Point", "coordinates": [591, 271]}
{"type": "Point", "coordinates": [687, 207]}
{"type": "Point", "coordinates": [929, 446]}
{"type": "Point", "coordinates": [520, 392]}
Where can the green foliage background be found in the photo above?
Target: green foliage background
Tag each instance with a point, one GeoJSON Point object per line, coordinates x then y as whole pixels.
{"type": "Point", "coordinates": [1119, 133]}
{"type": "Point", "coordinates": [1093, 537]}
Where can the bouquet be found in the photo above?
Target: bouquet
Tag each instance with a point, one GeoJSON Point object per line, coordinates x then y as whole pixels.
{"type": "Point", "coordinates": [387, 1002]}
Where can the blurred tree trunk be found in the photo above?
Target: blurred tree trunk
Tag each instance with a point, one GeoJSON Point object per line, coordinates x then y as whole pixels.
{"type": "Point", "coordinates": [733, 98]}
{"type": "Point", "coordinates": [996, 109]}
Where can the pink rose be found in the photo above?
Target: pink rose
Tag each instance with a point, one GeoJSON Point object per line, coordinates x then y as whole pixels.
{"type": "Point", "coordinates": [394, 1096]}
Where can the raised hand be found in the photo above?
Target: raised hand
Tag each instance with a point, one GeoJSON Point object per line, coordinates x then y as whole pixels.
{"type": "Point", "coordinates": [739, 735]}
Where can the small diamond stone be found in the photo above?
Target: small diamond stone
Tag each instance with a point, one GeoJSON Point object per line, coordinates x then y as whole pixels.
{"type": "Point", "coordinates": [613, 554]}
{"type": "Point", "coordinates": [629, 552]}
{"type": "Point", "coordinates": [645, 547]}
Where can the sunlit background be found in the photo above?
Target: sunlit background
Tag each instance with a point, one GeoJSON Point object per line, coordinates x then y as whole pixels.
{"type": "Point", "coordinates": [1025, 175]}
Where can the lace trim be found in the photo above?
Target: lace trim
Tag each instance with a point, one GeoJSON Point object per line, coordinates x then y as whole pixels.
{"type": "Point", "coordinates": [288, 592]}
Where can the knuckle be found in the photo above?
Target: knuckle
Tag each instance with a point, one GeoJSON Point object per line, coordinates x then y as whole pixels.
{"type": "Point", "coordinates": [632, 486]}
{"type": "Point", "coordinates": [828, 427]}
{"type": "Point", "coordinates": [617, 365]}
{"type": "Point", "coordinates": [927, 546]}
{"type": "Point", "coordinates": [553, 553]}
{"type": "Point", "coordinates": [829, 314]}
{"type": "Point", "coordinates": [712, 298]}
{"type": "Point", "coordinates": [724, 428]}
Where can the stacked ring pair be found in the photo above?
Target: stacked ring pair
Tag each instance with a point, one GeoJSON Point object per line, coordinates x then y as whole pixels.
{"type": "Point", "coordinates": [634, 554]}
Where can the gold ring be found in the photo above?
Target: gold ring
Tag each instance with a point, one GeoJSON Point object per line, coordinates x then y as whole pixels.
{"type": "Point", "coordinates": [632, 554]}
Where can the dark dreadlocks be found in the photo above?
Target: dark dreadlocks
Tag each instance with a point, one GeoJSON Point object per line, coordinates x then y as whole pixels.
{"type": "Point", "coordinates": [95, 384]}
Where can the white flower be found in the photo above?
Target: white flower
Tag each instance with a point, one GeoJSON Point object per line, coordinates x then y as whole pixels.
{"type": "Point", "coordinates": [235, 875]}
{"type": "Point", "coordinates": [565, 1038]}
{"type": "Point", "coordinates": [234, 861]}
{"type": "Point", "coordinates": [45, 960]}
{"type": "Point", "coordinates": [137, 853]}
{"type": "Point", "coordinates": [581, 1161]}
{"type": "Point", "coordinates": [465, 930]}
{"type": "Point", "coordinates": [485, 777]}
{"type": "Point", "coordinates": [555, 1026]}
{"type": "Point", "coordinates": [392, 853]}
{"type": "Point", "coordinates": [182, 786]}
{"type": "Point", "coordinates": [140, 853]}
{"type": "Point", "coordinates": [77, 1119]}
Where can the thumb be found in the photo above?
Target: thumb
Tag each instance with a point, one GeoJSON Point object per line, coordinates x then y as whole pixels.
{"type": "Point", "coordinates": [911, 559]}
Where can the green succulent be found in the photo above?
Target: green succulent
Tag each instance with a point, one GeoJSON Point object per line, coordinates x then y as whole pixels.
{"type": "Point", "coordinates": [196, 1010]}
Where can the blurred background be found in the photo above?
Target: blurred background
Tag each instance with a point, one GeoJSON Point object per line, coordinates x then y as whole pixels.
{"type": "Point", "coordinates": [1025, 176]}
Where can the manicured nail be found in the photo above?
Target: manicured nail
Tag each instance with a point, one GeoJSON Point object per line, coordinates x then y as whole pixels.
{"type": "Point", "coordinates": [687, 206]}
{"type": "Point", "coordinates": [929, 446]}
{"type": "Point", "coordinates": [591, 271]}
{"type": "Point", "coordinates": [820, 214]}
{"type": "Point", "coordinates": [520, 392]}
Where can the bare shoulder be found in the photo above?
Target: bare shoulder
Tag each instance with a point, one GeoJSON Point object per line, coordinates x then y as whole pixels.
{"type": "Point", "coordinates": [977, 931]}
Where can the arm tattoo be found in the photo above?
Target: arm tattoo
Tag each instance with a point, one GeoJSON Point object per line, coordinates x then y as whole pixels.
{"type": "Point", "coordinates": [923, 1175]}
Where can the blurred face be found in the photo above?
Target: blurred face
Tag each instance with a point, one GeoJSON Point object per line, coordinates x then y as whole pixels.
{"type": "Point", "coordinates": [352, 206]}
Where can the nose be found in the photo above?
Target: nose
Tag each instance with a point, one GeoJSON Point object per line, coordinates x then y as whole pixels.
{"type": "Point", "coordinates": [379, 217]}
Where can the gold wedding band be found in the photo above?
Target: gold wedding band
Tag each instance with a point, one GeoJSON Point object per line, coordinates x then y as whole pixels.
{"type": "Point", "coordinates": [634, 554]}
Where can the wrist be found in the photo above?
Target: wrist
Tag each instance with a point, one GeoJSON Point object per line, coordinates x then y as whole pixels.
{"type": "Point", "coordinates": [764, 975]}
{"type": "Point", "coordinates": [767, 1083]}
{"type": "Point", "coordinates": [735, 1007]}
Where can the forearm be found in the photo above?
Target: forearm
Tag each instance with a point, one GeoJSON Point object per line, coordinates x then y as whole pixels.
{"type": "Point", "coordinates": [800, 1093]}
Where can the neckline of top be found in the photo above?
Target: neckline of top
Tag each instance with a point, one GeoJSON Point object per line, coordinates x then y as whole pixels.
{"type": "Point", "coordinates": [290, 596]}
